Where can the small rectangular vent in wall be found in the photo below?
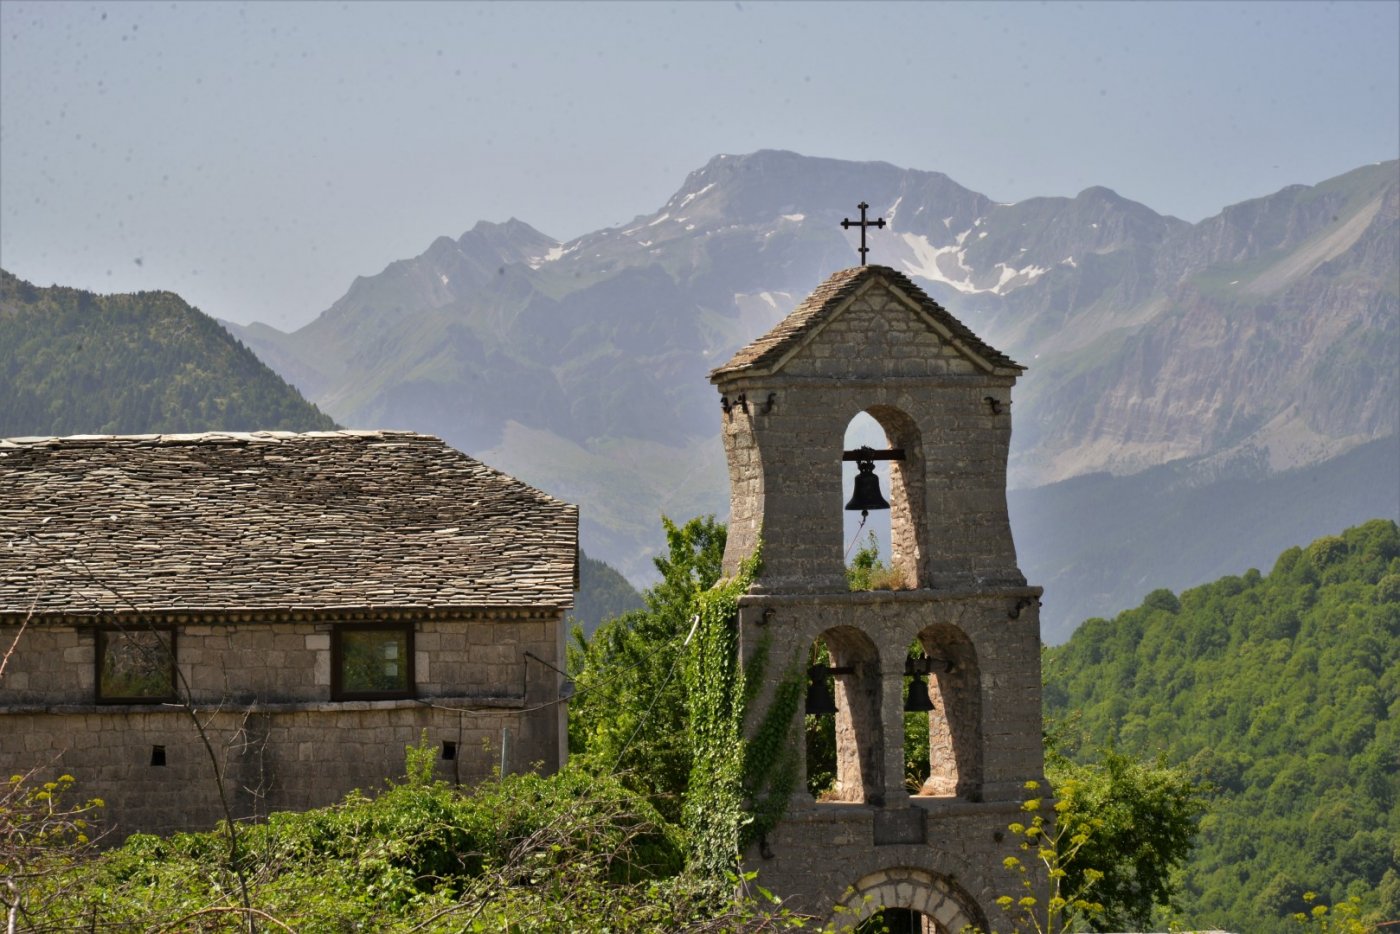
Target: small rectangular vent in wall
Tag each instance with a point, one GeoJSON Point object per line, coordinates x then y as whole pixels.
{"type": "Point", "coordinates": [157, 755]}
{"type": "Point", "coordinates": [449, 750]}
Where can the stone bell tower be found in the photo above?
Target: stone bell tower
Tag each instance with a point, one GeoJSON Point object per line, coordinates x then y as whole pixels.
{"type": "Point", "coordinates": [962, 625]}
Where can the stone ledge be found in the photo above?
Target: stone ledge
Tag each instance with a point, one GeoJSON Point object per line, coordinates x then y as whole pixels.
{"type": "Point", "coordinates": [771, 382]}
{"type": "Point", "coordinates": [935, 807]}
{"type": "Point", "coordinates": [924, 595]}
{"type": "Point", "coordinates": [488, 702]}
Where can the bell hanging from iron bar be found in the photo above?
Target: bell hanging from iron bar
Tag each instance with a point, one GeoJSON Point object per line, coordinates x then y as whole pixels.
{"type": "Point", "coordinates": [819, 699]}
{"type": "Point", "coordinates": [917, 700]}
{"type": "Point", "coordinates": [866, 495]}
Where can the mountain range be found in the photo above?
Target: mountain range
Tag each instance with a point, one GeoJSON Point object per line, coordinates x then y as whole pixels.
{"type": "Point", "coordinates": [1176, 370]}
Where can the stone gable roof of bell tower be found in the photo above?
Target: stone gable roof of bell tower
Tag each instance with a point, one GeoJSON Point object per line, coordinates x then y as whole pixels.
{"type": "Point", "coordinates": [769, 352]}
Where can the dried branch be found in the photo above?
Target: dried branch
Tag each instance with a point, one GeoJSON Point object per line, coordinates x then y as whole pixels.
{"type": "Point", "coordinates": [14, 643]}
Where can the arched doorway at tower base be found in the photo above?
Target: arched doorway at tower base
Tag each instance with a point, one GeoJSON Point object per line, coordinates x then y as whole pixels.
{"type": "Point", "coordinates": [950, 908]}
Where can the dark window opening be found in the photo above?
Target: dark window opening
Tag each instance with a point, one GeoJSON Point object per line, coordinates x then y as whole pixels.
{"type": "Point", "coordinates": [894, 921]}
{"type": "Point", "coordinates": [157, 755]}
{"type": "Point", "coordinates": [135, 666]}
{"type": "Point", "coordinates": [372, 662]}
{"type": "Point", "coordinates": [449, 750]}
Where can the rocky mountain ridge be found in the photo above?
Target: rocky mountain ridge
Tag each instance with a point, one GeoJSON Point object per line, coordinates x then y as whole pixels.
{"type": "Point", "coordinates": [1259, 340]}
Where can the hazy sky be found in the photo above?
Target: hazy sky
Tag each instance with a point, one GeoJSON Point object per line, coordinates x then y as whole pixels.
{"type": "Point", "coordinates": [256, 157]}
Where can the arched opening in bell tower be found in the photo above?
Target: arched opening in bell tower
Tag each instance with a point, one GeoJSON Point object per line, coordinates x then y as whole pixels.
{"type": "Point", "coordinates": [897, 527]}
{"type": "Point", "coordinates": [907, 899]}
{"type": "Point", "coordinates": [844, 744]}
{"type": "Point", "coordinates": [949, 734]}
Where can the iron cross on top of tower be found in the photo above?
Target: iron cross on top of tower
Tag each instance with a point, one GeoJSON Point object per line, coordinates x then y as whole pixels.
{"type": "Point", "coordinates": [862, 224]}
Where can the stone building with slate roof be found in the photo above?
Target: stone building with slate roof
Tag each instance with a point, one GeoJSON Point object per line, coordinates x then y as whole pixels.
{"type": "Point", "coordinates": [322, 600]}
{"type": "Point", "coordinates": [962, 627]}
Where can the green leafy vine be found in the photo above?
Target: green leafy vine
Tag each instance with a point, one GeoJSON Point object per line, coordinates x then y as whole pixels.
{"type": "Point", "coordinates": [714, 808]}
{"type": "Point", "coordinates": [771, 754]}
{"type": "Point", "coordinates": [738, 788]}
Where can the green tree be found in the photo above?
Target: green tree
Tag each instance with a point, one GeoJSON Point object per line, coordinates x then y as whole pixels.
{"type": "Point", "coordinates": [42, 837]}
{"type": "Point", "coordinates": [1138, 821]}
{"type": "Point", "coordinates": [628, 714]}
{"type": "Point", "coordinates": [1106, 854]}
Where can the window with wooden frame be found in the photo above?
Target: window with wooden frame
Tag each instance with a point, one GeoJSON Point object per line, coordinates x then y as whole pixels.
{"type": "Point", "coordinates": [372, 661]}
{"type": "Point", "coordinates": [135, 665]}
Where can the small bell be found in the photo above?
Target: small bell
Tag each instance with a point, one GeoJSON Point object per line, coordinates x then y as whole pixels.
{"type": "Point", "coordinates": [917, 700]}
{"type": "Point", "coordinates": [819, 699]}
{"type": "Point", "coordinates": [866, 495]}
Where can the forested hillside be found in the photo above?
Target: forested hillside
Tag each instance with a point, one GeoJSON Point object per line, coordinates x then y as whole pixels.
{"type": "Point", "coordinates": [603, 593]}
{"type": "Point", "coordinates": [1284, 690]}
{"type": "Point", "coordinates": [72, 362]}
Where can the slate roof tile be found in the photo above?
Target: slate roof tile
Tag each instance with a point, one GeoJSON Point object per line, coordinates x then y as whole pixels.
{"type": "Point", "coordinates": [226, 522]}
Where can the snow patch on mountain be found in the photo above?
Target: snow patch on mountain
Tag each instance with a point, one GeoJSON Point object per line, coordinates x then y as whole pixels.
{"type": "Point", "coordinates": [948, 264]}
{"type": "Point", "coordinates": [535, 262]}
{"type": "Point", "coordinates": [1010, 275]}
{"type": "Point", "coordinates": [695, 194]}
{"type": "Point", "coordinates": [929, 261]}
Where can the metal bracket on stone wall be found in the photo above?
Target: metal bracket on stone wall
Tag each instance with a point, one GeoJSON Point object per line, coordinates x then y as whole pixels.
{"type": "Point", "coordinates": [741, 401]}
{"type": "Point", "coordinates": [1021, 604]}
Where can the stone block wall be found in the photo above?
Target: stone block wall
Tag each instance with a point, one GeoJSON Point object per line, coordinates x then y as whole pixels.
{"type": "Point", "coordinates": [283, 743]}
{"type": "Point", "coordinates": [949, 519]}
{"type": "Point", "coordinates": [786, 481]}
{"type": "Point", "coordinates": [1000, 663]}
{"type": "Point", "coordinates": [939, 849]}
{"type": "Point", "coordinates": [943, 859]}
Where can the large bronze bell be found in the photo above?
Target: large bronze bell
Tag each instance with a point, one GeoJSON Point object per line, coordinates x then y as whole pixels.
{"type": "Point", "coordinates": [867, 494]}
{"type": "Point", "coordinates": [917, 700]}
{"type": "Point", "coordinates": [819, 699]}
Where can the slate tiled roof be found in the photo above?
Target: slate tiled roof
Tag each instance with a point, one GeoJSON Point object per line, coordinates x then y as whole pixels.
{"type": "Point", "coordinates": [763, 353]}
{"type": "Point", "coordinates": [272, 521]}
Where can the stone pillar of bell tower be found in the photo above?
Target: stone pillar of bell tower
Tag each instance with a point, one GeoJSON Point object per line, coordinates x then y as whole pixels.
{"type": "Point", "coordinates": [961, 617]}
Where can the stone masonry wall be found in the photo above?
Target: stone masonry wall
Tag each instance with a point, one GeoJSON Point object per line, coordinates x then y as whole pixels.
{"type": "Point", "coordinates": [1004, 661]}
{"type": "Point", "coordinates": [785, 464]}
{"type": "Point", "coordinates": [264, 690]}
{"type": "Point", "coordinates": [954, 830]}
{"type": "Point", "coordinates": [815, 857]}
